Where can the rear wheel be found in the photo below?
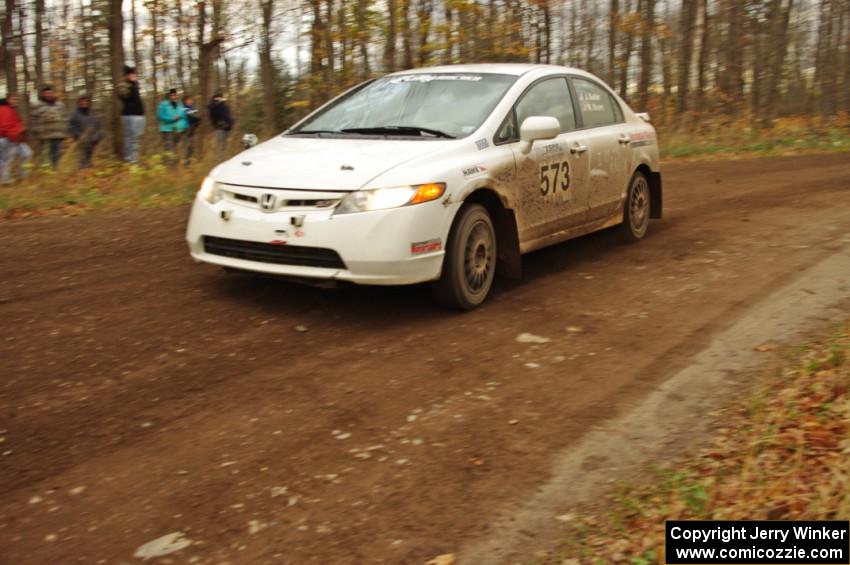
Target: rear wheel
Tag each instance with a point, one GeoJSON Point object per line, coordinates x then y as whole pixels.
{"type": "Point", "coordinates": [636, 209]}
{"type": "Point", "coordinates": [470, 262]}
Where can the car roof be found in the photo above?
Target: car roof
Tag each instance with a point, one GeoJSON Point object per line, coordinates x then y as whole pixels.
{"type": "Point", "coordinates": [516, 69]}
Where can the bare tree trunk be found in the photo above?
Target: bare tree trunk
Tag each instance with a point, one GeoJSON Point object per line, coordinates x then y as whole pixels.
{"type": "Point", "coordinates": [626, 58]}
{"type": "Point", "coordinates": [687, 24]}
{"type": "Point", "coordinates": [538, 39]}
{"type": "Point", "coordinates": [209, 49]}
{"type": "Point", "coordinates": [734, 55]}
{"type": "Point", "coordinates": [39, 43]}
{"type": "Point", "coordinates": [406, 34]}
{"type": "Point", "coordinates": [613, 22]}
{"type": "Point", "coordinates": [490, 45]}
{"type": "Point", "coordinates": [363, 38]}
{"type": "Point", "coordinates": [329, 45]}
{"type": "Point", "coordinates": [344, 45]}
{"type": "Point", "coordinates": [87, 49]}
{"type": "Point", "coordinates": [267, 72]}
{"type": "Point", "coordinates": [666, 47]}
{"type": "Point", "coordinates": [448, 36]}
{"type": "Point", "coordinates": [389, 46]}
{"type": "Point", "coordinates": [648, 28]}
{"type": "Point", "coordinates": [424, 9]}
{"type": "Point", "coordinates": [137, 59]}
{"type": "Point", "coordinates": [845, 63]}
{"type": "Point", "coordinates": [153, 7]}
{"type": "Point", "coordinates": [780, 18]}
{"type": "Point", "coordinates": [299, 15]}
{"type": "Point", "coordinates": [62, 49]}
{"type": "Point", "coordinates": [181, 38]}
{"type": "Point", "coordinates": [10, 55]}
{"type": "Point", "coordinates": [590, 27]}
{"type": "Point", "coordinates": [25, 65]}
{"type": "Point", "coordinates": [116, 60]}
{"type": "Point", "coordinates": [547, 32]}
{"type": "Point", "coordinates": [704, 52]}
{"type": "Point", "coordinates": [574, 35]}
{"type": "Point", "coordinates": [318, 92]}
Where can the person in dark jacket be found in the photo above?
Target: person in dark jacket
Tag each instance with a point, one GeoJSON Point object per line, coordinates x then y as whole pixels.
{"type": "Point", "coordinates": [132, 113]}
{"type": "Point", "coordinates": [13, 147]}
{"type": "Point", "coordinates": [49, 125]}
{"type": "Point", "coordinates": [86, 128]}
{"type": "Point", "coordinates": [220, 119]}
{"type": "Point", "coordinates": [193, 119]}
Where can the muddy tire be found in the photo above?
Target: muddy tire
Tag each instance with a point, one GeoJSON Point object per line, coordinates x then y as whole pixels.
{"type": "Point", "coordinates": [636, 209]}
{"type": "Point", "coordinates": [469, 265]}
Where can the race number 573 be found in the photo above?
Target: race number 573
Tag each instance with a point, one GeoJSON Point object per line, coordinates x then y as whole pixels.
{"type": "Point", "coordinates": [554, 176]}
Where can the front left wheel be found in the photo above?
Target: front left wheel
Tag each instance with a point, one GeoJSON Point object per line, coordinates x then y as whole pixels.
{"type": "Point", "coordinates": [469, 266]}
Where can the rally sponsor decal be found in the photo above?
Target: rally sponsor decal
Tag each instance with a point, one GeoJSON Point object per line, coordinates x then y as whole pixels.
{"type": "Point", "coordinates": [475, 170]}
{"type": "Point", "coordinates": [420, 247]}
{"type": "Point", "coordinates": [482, 144]}
{"type": "Point", "coordinates": [642, 138]}
{"type": "Point", "coordinates": [549, 150]}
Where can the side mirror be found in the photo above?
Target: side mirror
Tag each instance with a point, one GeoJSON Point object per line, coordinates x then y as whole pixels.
{"type": "Point", "coordinates": [249, 140]}
{"type": "Point", "coordinates": [538, 127]}
{"type": "Point", "coordinates": [644, 116]}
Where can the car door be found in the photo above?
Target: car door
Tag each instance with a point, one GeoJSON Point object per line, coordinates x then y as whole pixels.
{"type": "Point", "coordinates": [551, 178]}
{"type": "Point", "coordinates": [606, 136]}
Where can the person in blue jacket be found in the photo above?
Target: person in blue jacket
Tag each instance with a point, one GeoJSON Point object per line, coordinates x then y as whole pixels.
{"type": "Point", "coordinates": [171, 115]}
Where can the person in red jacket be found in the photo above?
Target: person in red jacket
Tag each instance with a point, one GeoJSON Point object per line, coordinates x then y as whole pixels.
{"type": "Point", "coordinates": [13, 147]}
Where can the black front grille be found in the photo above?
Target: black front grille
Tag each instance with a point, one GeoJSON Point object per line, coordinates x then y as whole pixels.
{"type": "Point", "coordinates": [270, 253]}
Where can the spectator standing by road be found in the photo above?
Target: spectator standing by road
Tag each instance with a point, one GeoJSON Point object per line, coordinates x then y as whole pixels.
{"type": "Point", "coordinates": [49, 125]}
{"type": "Point", "coordinates": [13, 147]}
{"type": "Point", "coordinates": [193, 120]}
{"type": "Point", "coordinates": [132, 113]}
{"type": "Point", "coordinates": [221, 120]}
{"type": "Point", "coordinates": [172, 120]}
{"type": "Point", "coordinates": [86, 128]}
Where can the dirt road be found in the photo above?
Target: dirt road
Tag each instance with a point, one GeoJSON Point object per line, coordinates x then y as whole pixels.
{"type": "Point", "coordinates": [143, 394]}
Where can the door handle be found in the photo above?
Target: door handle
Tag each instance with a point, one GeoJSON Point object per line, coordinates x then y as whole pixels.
{"type": "Point", "coordinates": [578, 149]}
{"type": "Point", "coordinates": [624, 139]}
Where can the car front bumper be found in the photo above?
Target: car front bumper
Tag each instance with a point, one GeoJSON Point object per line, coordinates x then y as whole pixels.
{"type": "Point", "coordinates": [378, 248]}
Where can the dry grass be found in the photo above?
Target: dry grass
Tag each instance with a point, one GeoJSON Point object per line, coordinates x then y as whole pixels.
{"type": "Point", "coordinates": [710, 139]}
{"type": "Point", "coordinates": [781, 455]}
{"type": "Point", "coordinates": [158, 180]}
{"type": "Point", "coordinates": [153, 183]}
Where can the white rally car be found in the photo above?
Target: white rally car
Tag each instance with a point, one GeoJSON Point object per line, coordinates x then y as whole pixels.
{"type": "Point", "coordinates": [440, 174]}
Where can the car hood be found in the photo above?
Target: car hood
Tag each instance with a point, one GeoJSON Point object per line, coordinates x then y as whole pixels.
{"type": "Point", "coordinates": [311, 163]}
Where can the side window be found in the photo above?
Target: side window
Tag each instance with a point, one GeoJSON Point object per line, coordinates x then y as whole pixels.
{"type": "Point", "coordinates": [598, 107]}
{"type": "Point", "coordinates": [548, 98]}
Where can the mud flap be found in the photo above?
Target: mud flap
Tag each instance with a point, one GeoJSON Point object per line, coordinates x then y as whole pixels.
{"type": "Point", "coordinates": [509, 260]}
{"type": "Point", "coordinates": [655, 198]}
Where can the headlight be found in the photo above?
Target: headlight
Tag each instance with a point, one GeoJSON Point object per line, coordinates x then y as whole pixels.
{"type": "Point", "coordinates": [385, 198]}
{"type": "Point", "coordinates": [210, 191]}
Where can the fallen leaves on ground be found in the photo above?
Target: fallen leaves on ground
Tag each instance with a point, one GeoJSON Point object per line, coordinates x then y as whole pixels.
{"type": "Point", "coordinates": [781, 455]}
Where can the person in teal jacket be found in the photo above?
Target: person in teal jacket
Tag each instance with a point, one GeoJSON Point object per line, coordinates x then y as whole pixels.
{"type": "Point", "coordinates": [172, 120]}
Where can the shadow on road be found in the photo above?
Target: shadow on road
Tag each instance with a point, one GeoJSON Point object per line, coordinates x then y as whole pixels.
{"type": "Point", "coordinates": [400, 303]}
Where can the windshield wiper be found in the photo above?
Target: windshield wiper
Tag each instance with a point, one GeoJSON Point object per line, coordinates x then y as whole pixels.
{"type": "Point", "coordinates": [399, 130]}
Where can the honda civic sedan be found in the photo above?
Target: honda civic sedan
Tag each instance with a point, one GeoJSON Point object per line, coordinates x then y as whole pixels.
{"type": "Point", "coordinates": [445, 174]}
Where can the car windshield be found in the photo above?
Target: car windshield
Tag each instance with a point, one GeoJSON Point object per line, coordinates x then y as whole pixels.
{"type": "Point", "coordinates": [425, 105]}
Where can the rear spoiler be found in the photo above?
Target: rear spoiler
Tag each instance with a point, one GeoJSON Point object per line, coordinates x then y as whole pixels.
{"type": "Point", "coordinates": [644, 116]}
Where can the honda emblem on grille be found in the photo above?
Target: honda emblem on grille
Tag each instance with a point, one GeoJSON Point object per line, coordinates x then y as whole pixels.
{"type": "Point", "coordinates": [267, 202]}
